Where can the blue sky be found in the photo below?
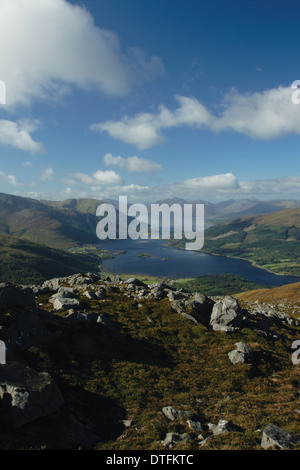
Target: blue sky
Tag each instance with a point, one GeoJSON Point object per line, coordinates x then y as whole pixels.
{"type": "Point", "coordinates": [149, 99]}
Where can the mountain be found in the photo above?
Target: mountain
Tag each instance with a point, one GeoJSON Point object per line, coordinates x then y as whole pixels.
{"type": "Point", "coordinates": [26, 262]}
{"type": "Point", "coordinates": [236, 208]}
{"type": "Point", "coordinates": [115, 364]}
{"type": "Point", "coordinates": [269, 240]}
{"type": "Point", "coordinates": [82, 205]}
{"type": "Point", "coordinates": [57, 225]}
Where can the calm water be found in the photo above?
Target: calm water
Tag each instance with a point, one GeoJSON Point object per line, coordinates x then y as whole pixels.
{"type": "Point", "coordinates": [174, 263]}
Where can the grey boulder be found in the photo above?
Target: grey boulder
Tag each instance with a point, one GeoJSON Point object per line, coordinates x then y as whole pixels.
{"type": "Point", "coordinates": [226, 315]}
{"type": "Point", "coordinates": [273, 436]}
{"type": "Point", "coordinates": [28, 394]}
{"type": "Point", "coordinates": [243, 353]}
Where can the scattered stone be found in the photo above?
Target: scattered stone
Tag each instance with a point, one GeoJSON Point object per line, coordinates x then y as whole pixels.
{"type": "Point", "coordinates": [63, 293]}
{"type": "Point", "coordinates": [243, 353]}
{"type": "Point", "coordinates": [222, 427]}
{"type": "Point", "coordinates": [53, 284]}
{"type": "Point", "coordinates": [127, 423]}
{"type": "Point", "coordinates": [90, 295]}
{"type": "Point", "coordinates": [103, 320]}
{"type": "Point", "coordinates": [195, 426]}
{"type": "Point", "coordinates": [172, 438]}
{"type": "Point", "coordinates": [172, 414]}
{"type": "Point", "coordinates": [136, 282]}
{"type": "Point", "coordinates": [65, 303]}
{"type": "Point", "coordinates": [174, 295]}
{"type": "Point", "coordinates": [100, 294]}
{"type": "Point", "coordinates": [274, 436]}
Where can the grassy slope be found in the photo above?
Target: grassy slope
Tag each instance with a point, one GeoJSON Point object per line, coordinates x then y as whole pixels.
{"type": "Point", "coordinates": [28, 263]}
{"type": "Point", "coordinates": [289, 292]}
{"type": "Point", "coordinates": [143, 366]}
{"type": "Point", "coordinates": [270, 241]}
{"type": "Point", "coordinates": [219, 284]}
{"type": "Point", "coordinates": [53, 225]}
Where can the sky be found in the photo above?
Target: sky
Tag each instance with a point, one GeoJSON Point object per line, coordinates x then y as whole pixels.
{"type": "Point", "coordinates": [151, 99]}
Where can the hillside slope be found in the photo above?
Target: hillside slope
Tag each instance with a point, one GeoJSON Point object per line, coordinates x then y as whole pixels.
{"type": "Point", "coordinates": [54, 225]}
{"type": "Point", "coordinates": [140, 367]}
{"type": "Point", "coordinates": [271, 241]}
{"type": "Point", "coordinates": [25, 262]}
{"type": "Point", "coordinates": [288, 293]}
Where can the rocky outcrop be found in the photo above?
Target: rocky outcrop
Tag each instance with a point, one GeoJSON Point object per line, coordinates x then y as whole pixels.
{"type": "Point", "coordinates": [226, 315]}
{"type": "Point", "coordinates": [78, 313]}
{"type": "Point", "coordinates": [28, 394]}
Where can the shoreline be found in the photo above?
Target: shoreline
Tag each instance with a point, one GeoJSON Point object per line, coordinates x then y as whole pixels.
{"type": "Point", "coordinates": [253, 263]}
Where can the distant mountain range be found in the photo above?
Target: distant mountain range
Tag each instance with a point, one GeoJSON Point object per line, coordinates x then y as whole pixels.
{"type": "Point", "coordinates": [54, 224]}
{"type": "Point", "coordinates": [69, 224]}
{"type": "Point", "coordinates": [236, 208]}
{"type": "Point", "coordinates": [63, 224]}
{"type": "Point", "coordinates": [271, 241]}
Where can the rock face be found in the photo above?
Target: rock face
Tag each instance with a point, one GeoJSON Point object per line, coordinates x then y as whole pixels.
{"type": "Point", "coordinates": [226, 315]}
{"type": "Point", "coordinates": [28, 394]}
{"type": "Point", "coordinates": [274, 436]}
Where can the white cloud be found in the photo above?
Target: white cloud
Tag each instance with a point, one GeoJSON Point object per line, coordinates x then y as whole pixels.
{"type": "Point", "coordinates": [48, 46]}
{"type": "Point", "coordinates": [11, 179]}
{"type": "Point", "coordinates": [210, 188]}
{"type": "Point", "coordinates": [132, 164]}
{"type": "Point", "coordinates": [107, 177]}
{"type": "Point", "coordinates": [226, 182]}
{"type": "Point", "coordinates": [261, 115]}
{"type": "Point", "coordinates": [265, 115]}
{"type": "Point", "coordinates": [17, 135]}
{"type": "Point", "coordinates": [99, 178]}
{"type": "Point", "coordinates": [47, 174]}
{"type": "Point", "coordinates": [285, 185]}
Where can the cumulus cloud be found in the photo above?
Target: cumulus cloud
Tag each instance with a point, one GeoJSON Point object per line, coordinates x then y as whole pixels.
{"type": "Point", "coordinates": [261, 115]}
{"type": "Point", "coordinates": [99, 178]}
{"type": "Point", "coordinates": [11, 179]}
{"type": "Point", "coordinates": [17, 135]}
{"type": "Point", "coordinates": [132, 164]}
{"type": "Point", "coordinates": [48, 46]}
{"type": "Point", "coordinates": [212, 188]}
